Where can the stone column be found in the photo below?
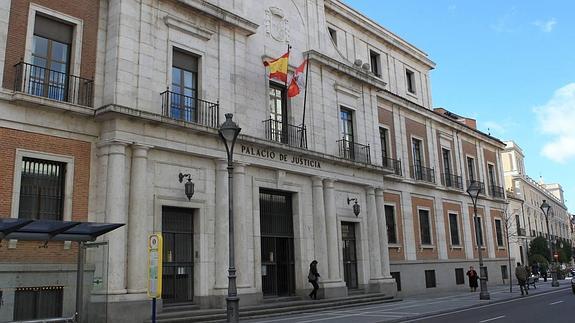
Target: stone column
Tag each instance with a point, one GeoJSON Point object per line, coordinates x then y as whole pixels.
{"type": "Point", "coordinates": [382, 226]}
{"type": "Point", "coordinates": [374, 239]}
{"type": "Point", "coordinates": [468, 230]}
{"type": "Point", "coordinates": [116, 213]}
{"type": "Point", "coordinates": [243, 236]}
{"type": "Point", "coordinates": [319, 228]}
{"type": "Point", "coordinates": [331, 230]}
{"type": "Point", "coordinates": [221, 225]}
{"type": "Point", "coordinates": [408, 229]}
{"type": "Point", "coordinates": [138, 221]}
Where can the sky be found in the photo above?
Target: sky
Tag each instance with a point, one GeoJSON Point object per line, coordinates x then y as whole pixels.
{"type": "Point", "coordinates": [508, 64]}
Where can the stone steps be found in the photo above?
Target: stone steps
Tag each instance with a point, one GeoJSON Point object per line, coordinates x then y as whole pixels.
{"type": "Point", "coordinates": [272, 308]}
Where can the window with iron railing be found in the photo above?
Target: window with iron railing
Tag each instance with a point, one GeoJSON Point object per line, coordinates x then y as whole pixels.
{"type": "Point", "coordinates": [42, 189]}
{"type": "Point", "coordinates": [33, 303]}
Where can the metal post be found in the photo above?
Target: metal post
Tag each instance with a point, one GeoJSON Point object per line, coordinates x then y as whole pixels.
{"type": "Point", "coordinates": [80, 280]}
{"type": "Point", "coordinates": [554, 281]}
{"type": "Point", "coordinates": [154, 310]}
{"type": "Point", "coordinates": [483, 294]}
{"type": "Point", "coordinates": [232, 299]}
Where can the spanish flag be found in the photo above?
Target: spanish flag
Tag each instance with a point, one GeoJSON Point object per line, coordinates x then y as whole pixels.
{"type": "Point", "coordinates": [278, 67]}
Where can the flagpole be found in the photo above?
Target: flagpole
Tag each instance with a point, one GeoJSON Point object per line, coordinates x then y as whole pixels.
{"type": "Point", "coordinates": [286, 86]}
{"type": "Point", "coordinates": [304, 131]}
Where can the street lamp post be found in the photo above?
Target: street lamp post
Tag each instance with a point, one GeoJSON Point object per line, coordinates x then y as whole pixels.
{"type": "Point", "coordinates": [473, 191]}
{"type": "Point", "coordinates": [545, 207]}
{"type": "Point", "coordinates": [229, 132]}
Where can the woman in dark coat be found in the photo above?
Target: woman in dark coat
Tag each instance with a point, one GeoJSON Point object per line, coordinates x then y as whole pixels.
{"type": "Point", "coordinates": [313, 278]}
{"type": "Point", "coordinates": [472, 274]}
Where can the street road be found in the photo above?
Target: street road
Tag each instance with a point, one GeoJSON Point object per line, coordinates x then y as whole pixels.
{"type": "Point", "coordinates": [557, 307]}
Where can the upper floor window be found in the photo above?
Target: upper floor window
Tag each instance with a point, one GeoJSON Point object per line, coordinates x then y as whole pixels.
{"type": "Point", "coordinates": [417, 154]}
{"type": "Point", "coordinates": [384, 139]}
{"type": "Point", "coordinates": [184, 96]}
{"type": "Point", "coordinates": [471, 168]}
{"type": "Point", "coordinates": [410, 79]}
{"type": "Point", "coordinates": [492, 177]}
{"type": "Point", "coordinates": [375, 61]}
{"type": "Point", "coordinates": [278, 112]}
{"type": "Point", "coordinates": [332, 34]}
{"type": "Point", "coordinates": [390, 223]}
{"type": "Point", "coordinates": [346, 118]}
{"type": "Point", "coordinates": [446, 155]}
{"type": "Point", "coordinates": [42, 189]}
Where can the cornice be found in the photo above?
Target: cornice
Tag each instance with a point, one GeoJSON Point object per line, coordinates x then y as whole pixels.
{"type": "Point", "coordinates": [244, 25]}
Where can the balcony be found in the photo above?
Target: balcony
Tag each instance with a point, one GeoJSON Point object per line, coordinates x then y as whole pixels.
{"type": "Point", "coordinates": [481, 185]}
{"type": "Point", "coordinates": [421, 173]}
{"type": "Point", "coordinates": [392, 164]}
{"type": "Point", "coordinates": [452, 181]}
{"type": "Point", "coordinates": [189, 109]}
{"type": "Point", "coordinates": [39, 81]}
{"type": "Point", "coordinates": [285, 133]}
{"type": "Point", "coordinates": [354, 151]}
{"type": "Point", "coordinates": [496, 191]}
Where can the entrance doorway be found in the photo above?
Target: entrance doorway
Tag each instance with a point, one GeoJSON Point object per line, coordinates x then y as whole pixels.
{"type": "Point", "coordinates": [178, 261]}
{"type": "Point", "coordinates": [349, 254]}
{"type": "Point", "coordinates": [276, 225]}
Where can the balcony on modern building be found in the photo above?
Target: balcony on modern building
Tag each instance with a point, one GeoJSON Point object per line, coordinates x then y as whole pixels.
{"type": "Point", "coordinates": [190, 109]}
{"type": "Point", "coordinates": [496, 191]}
{"type": "Point", "coordinates": [481, 185]}
{"type": "Point", "coordinates": [285, 133]}
{"type": "Point", "coordinates": [55, 85]}
{"type": "Point", "coordinates": [421, 173]}
{"type": "Point", "coordinates": [354, 151]}
{"type": "Point", "coordinates": [392, 164]}
{"type": "Point", "coordinates": [452, 181]}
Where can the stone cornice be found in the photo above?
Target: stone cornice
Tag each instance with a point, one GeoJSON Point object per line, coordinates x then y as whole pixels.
{"type": "Point", "coordinates": [244, 25]}
{"type": "Point", "coordinates": [369, 25]}
{"type": "Point", "coordinates": [347, 69]}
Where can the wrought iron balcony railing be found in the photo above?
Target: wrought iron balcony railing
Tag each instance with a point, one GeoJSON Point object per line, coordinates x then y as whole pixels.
{"type": "Point", "coordinates": [190, 109]}
{"type": "Point", "coordinates": [481, 185]}
{"type": "Point", "coordinates": [295, 136]}
{"type": "Point", "coordinates": [452, 180]}
{"type": "Point", "coordinates": [421, 173]}
{"type": "Point", "coordinates": [496, 191]}
{"type": "Point", "coordinates": [354, 151]}
{"type": "Point", "coordinates": [51, 84]}
{"type": "Point", "coordinates": [393, 164]}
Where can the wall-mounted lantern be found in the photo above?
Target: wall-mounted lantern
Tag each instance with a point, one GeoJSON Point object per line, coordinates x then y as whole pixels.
{"type": "Point", "coordinates": [356, 207]}
{"type": "Point", "coordinates": [189, 186]}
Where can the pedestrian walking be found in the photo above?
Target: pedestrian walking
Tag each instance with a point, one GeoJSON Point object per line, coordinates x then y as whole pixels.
{"type": "Point", "coordinates": [521, 275]}
{"type": "Point", "coordinates": [543, 271]}
{"type": "Point", "coordinates": [313, 277]}
{"type": "Point", "coordinates": [472, 274]}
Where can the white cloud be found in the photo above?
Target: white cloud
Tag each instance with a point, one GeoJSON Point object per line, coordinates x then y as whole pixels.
{"type": "Point", "coordinates": [557, 119]}
{"type": "Point", "coordinates": [546, 26]}
{"type": "Point", "coordinates": [506, 22]}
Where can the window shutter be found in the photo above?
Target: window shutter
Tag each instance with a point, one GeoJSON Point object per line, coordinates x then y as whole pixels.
{"type": "Point", "coordinates": [53, 29]}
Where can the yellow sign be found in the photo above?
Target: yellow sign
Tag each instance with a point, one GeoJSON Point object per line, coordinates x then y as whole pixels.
{"type": "Point", "coordinates": [155, 265]}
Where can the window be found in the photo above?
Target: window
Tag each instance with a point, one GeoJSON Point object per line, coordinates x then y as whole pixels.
{"type": "Point", "coordinates": [184, 104]}
{"type": "Point", "coordinates": [333, 35]}
{"type": "Point", "coordinates": [424, 227]}
{"type": "Point", "coordinates": [375, 61]}
{"type": "Point", "coordinates": [42, 189]}
{"type": "Point", "coordinates": [397, 276]}
{"type": "Point", "coordinates": [459, 277]}
{"type": "Point", "coordinates": [391, 225]}
{"type": "Point", "coordinates": [471, 168]}
{"type": "Point", "coordinates": [518, 223]}
{"type": "Point", "coordinates": [278, 112]}
{"type": "Point", "coordinates": [51, 44]}
{"type": "Point", "coordinates": [417, 159]}
{"type": "Point", "coordinates": [479, 231]}
{"type": "Point", "coordinates": [446, 155]}
{"type": "Point", "coordinates": [499, 232]}
{"type": "Point", "coordinates": [430, 279]}
{"type": "Point", "coordinates": [504, 272]}
{"type": "Point", "coordinates": [38, 303]}
{"type": "Point", "coordinates": [410, 78]}
{"type": "Point", "coordinates": [454, 229]}
{"type": "Point", "coordinates": [491, 171]}
{"type": "Point", "coordinates": [346, 118]}
{"type": "Point", "coordinates": [384, 139]}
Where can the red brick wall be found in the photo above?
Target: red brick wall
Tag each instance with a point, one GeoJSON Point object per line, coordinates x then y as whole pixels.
{"type": "Point", "coordinates": [396, 253]}
{"type": "Point", "coordinates": [424, 253]}
{"type": "Point", "coordinates": [10, 140]}
{"type": "Point", "coordinates": [459, 251]}
{"type": "Point", "coordinates": [86, 10]}
{"type": "Point", "coordinates": [386, 118]}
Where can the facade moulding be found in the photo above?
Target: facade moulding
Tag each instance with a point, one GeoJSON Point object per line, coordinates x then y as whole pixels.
{"type": "Point", "coordinates": [370, 26]}
{"type": "Point", "coordinates": [244, 25]}
{"type": "Point", "coordinates": [198, 31]}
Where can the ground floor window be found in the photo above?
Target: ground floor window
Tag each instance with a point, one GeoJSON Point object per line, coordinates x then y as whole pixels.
{"type": "Point", "coordinates": [459, 277]}
{"type": "Point", "coordinates": [38, 302]}
{"type": "Point", "coordinates": [397, 276]}
{"type": "Point", "coordinates": [430, 279]}
{"type": "Point", "coordinates": [504, 272]}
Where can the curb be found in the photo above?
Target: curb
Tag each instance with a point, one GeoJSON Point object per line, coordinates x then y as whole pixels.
{"type": "Point", "coordinates": [490, 302]}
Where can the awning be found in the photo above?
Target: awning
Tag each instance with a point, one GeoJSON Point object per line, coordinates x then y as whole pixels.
{"type": "Point", "coordinates": [44, 230]}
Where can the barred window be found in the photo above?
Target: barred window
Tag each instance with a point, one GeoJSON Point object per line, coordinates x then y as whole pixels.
{"type": "Point", "coordinates": [390, 222]}
{"type": "Point", "coordinates": [38, 302]}
{"type": "Point", "coordinates": [425, 227]}
{"type": "Point", "coordinates": [430, 279]}
{"type": "Point", "coordinates": [499, 232]}
{"type": "Point", "coordinates": [42, 189]}
{"type": "Point", "coordinates": [454, 229]}
{"type": "Point", "coordinates": [459, 277]}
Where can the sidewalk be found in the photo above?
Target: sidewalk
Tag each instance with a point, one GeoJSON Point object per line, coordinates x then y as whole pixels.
{"type": "Point", "coordinates": [412, 307]}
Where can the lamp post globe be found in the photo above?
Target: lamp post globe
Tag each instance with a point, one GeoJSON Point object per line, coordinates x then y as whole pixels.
{"type": "Point", "coordinates": [546, 208]}
{"type": "Point", "coordinates": [473, 190]}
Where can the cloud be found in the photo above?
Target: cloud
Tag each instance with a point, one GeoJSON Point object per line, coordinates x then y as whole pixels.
{"type": "Point", "coordinates": [498, 128]}
{"type": "Point", "coordinates": [546, 26]}
{"type": "Point", "coordinates": [556, 118]}
{"type": "Point", "coordinates": [505, 23]}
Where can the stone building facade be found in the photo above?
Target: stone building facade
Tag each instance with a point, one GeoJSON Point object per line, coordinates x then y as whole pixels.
{"type": "Point", "coordinates": [526, 196]}
{"type": "Point", "coordinates": [128, 94]}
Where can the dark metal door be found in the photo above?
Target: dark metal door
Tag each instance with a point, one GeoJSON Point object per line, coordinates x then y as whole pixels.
{"type": "Point", "coordinates": [277, 250]}
{"type": "Point", "coordinates": [178, 277]}
{"type": "Point", "coordinates": [349, 254]}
